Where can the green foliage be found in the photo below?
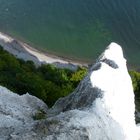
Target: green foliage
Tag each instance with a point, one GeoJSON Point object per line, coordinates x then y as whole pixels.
{"type": "Point", "coordinates": [135, 76]}
{"type": "Point", "coordinates": [78, 75]}
{"type": "Point", "coordinates": [39, 115]}
{"type": "Point", "coordinates": [45, 82]}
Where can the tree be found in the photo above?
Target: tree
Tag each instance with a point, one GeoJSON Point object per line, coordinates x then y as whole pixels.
{"type": "Point", "coordinates": [78, 75]}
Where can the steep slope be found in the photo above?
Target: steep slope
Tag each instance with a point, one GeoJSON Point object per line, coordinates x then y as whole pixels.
{"type": "Point", "coordinates": [16, 114]}
{"type": "Point", "coordinates": [104, 100]}
{"type": "Point", "coordinates": [101, 108]}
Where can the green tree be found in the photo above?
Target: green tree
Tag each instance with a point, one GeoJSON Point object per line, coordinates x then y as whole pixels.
{"type": "Point", "coordinates": [45, 82]}
{"type": "Point", "coordinates": [78, 75]}
{"type": "Point", "coordinates": [135, 76]}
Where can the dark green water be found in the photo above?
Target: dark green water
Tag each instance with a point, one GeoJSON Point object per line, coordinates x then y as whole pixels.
{"type": "Point", "coordinates": [79, 29]}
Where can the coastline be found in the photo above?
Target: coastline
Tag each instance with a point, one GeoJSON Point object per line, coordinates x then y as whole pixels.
{"type": "Point", "coordinates": [24, 51]}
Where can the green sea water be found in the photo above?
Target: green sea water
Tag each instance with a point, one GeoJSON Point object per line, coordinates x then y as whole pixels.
{"type": "Point", "coordinates": [77, 29]}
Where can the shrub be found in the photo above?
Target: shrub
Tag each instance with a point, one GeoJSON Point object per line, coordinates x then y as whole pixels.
{"type": "Point", "coordinates": [45, 82]}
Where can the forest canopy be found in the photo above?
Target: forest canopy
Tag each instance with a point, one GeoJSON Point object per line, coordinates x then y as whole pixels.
{"type": "Point", "coordinates": [45, 82]}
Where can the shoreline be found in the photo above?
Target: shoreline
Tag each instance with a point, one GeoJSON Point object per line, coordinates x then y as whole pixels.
{"type": "Point", "coordinates": [24, 51]}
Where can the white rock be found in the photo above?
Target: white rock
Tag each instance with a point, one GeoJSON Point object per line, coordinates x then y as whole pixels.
{"type": "Point", "coordinates": [101, 108]}
{"type": "Point", "coordinates": [105, 99]}
{"type": "Point", "coordinates": [16, 113]}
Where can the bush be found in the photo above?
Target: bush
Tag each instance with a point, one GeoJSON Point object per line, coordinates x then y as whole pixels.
{"type": "Point", "coordinates": [39, 115]}
{"type": "Point", "coordinates": [135, 76]}
{"type": "Point", "coordinates": [45, 82]}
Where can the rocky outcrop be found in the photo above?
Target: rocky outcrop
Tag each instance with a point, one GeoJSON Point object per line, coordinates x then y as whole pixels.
{"type": "Point", "coordinates": [17, 114]}
{"type": "Point", "coordinates": [101, 108]}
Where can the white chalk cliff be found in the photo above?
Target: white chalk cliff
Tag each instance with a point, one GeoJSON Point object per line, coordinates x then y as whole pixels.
{"type": "Point", "coordinates": [101, 108]}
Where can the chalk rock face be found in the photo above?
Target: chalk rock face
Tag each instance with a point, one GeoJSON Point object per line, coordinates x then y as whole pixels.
{"type": "Point", "coordinates": [16, 114]}
{"type": "Point", "coordinates": [101, 108]}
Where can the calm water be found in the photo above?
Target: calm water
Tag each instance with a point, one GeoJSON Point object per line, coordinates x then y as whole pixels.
{"type": "Point", "coordinates": [77, 29]}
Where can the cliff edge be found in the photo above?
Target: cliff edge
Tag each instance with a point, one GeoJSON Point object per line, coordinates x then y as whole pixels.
{"type": "Point", "coordinates": [101, 108]}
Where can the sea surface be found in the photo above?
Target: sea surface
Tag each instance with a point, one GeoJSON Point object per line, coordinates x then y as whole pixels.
{"type": "Point", "coordinates": [76, 29]}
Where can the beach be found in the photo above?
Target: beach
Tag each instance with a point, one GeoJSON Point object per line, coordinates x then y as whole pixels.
{"type": "Point", "coordinates": [24, 51]}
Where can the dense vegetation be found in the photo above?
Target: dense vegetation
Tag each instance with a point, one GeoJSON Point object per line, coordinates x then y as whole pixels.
{"type": "Point", "coordinates": [136, 85]}
{"type": "Point", "coordinates": [135, 76]}
{"type": "Point", "coordinates": [45, 82]}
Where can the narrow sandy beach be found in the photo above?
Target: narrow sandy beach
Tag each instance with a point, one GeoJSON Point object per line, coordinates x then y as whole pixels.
{"type": "Point", "coordinates": [24, 51]}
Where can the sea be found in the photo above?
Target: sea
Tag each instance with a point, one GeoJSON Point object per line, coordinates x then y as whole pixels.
{"type": "Point", "coordinates": [74, 29]}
